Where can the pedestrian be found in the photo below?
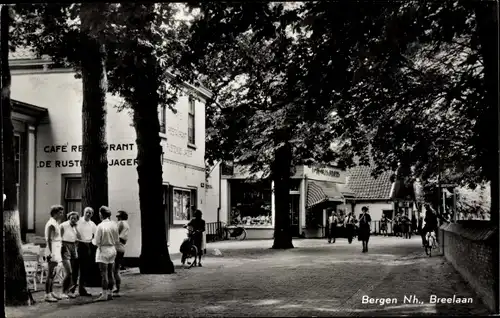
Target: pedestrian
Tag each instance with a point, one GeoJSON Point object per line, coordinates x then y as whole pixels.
{"type": "Point", "coordinates": [349, 224]}
{"type": "Point", "coordinates": [420, 224]}
{"type": "Point", "coordinates": [123, 230]}
{"type": "Point", "coordinates": [53, 250]}
{"type": "Point", "coordinates": [431, 224]}
{"type": "Point", "coordinates": [383, 224]}
{"type": "Point", "coordinates": [332, 227]}
{"type": "Point", "coordinates": [106, 239]}
{"type": "Point", "coordinates": [198, 226]}
{"type": "Point", "coordinates": [397, 224]}
{"type": "Point", "coordinates": [364, 228]}
{"type": "Point", "coordinates": [86, 230]}
{"type": "Point", "coordinates": [69, 254]}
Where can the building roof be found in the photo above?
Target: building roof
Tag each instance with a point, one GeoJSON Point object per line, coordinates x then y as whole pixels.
{"type": "Point", "coordinates": [365, 186]}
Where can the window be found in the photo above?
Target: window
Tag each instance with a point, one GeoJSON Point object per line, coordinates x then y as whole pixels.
{"type": "Point", "coordinates": [73, 194]}
{"type": "Point", "coordinates": [251, 203]}
{"type": "Point", "coordinates": [183, 199]}
{"type": "Point", "coordinates": [162, 116]}
{"type": "Point", "coordinates": [17, 158]}
{"type": "Point", "coordinates": [191, 122]}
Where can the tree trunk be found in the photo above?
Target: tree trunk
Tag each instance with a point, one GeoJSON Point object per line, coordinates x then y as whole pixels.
{"type": "Point", "coordinates": [16, 289]}
{"type": "Point", "coordinates": [487, 28]}
{"type": "Point", "coordinates": [155, 257]}
{"type": "Point", "coordinates": [94, 147]}
{"type": "Point", "coordinates": [281, 176]}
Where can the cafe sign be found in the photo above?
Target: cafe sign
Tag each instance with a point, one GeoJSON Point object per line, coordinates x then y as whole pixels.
{"type": "Point", "coordinates": [326, 174]}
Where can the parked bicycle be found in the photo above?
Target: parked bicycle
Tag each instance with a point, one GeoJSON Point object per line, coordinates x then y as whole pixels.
{"type": "Point", "coordinates": [430, 243]}
{"type": "Point", "coordinates": [188, 249]}
{"type": "Point", "coordinates": [235, 232]}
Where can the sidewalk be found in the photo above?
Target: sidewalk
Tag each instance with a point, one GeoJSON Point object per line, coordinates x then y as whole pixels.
{"type": "Point", "coordinates": [314, 279]}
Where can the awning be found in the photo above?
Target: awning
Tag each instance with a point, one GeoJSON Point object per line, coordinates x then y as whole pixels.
{"type": "Point", "coordinates": [322, 191]}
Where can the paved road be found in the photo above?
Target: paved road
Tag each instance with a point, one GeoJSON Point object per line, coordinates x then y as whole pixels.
{"type": "Point", "coordinates": [314, 279]}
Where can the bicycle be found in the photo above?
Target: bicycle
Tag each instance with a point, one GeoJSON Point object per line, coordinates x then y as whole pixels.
{"type": "Point", "coordinates": [236, 232]}
{"type": "Point", "coordinates": [189, 250]}
{"type": "Point", "coordinates": [430, 242]}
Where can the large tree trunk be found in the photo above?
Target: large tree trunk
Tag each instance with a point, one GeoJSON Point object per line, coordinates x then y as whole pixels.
{"type": "Point", "coordinates": [155, 258]}
{"type": "Point", "coordinates": [280, 172]}
{"type": "Point", "coordinates": [16, 289]}
{"type": "Point", "coordinates": [94, 153]}
{"type": "Point", "coordinates": [488, 32]}
{"type": "Point", "coordinates": [487, 28]}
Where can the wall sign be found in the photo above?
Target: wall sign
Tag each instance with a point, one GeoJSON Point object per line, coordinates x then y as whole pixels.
{"type": "Point", "coordinates": [70, 163]}
{"type": "Point", "coordinates": [327, 172]}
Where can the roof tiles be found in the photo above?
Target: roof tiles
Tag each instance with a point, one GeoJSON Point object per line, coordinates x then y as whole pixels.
{"type": "Point", "coordinates": [365, 186]}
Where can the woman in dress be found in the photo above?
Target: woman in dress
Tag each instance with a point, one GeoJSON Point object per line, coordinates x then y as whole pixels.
{"type": "Point", "coordinates": [364, 228]}
{"type": "Point", "coordinates": [198, 226]}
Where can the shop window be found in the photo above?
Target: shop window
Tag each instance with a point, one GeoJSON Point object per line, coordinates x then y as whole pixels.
{"type": "Point", "coordinates": [73, 194]}
{"type": "Point", "coordinates": [162, 116]}
{"type": "Point", "coordinates": [191, 121]}
{"type": "Point", "coordinates": [183, 199]}
{"type": "Point", "coordinates": [251, 203]}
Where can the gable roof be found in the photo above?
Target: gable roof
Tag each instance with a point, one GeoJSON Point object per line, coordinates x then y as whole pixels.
{"type": "Point", "coordinates": [365, 186]}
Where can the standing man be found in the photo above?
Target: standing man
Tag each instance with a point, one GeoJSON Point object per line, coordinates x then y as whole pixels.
{"type": "Point", "coordinates": [332, 227]}
{"type": "Point", "coordinates": [69, 254]}
{"type": "Point", "coordinates": [86, 230]}
{"type": "Point", "coordinates": [106, 239]}
{"type": "Point", "coordinates": [123, 229]}
{"type": "Point", "coordinates": [349, 223]}
{"type": "Point", "coordinates": [53, 250]}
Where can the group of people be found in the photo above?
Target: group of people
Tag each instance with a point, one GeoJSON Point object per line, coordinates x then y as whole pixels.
{"type": "Point", "coordinates": [402, 225]}
{"type": "Point", "coordinates": [350, 224]}
{"type": "Point", "coordinates": [69, 242]}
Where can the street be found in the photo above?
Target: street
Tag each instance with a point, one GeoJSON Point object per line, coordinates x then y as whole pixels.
{"type": "Point", "coordinates": [314, 279]}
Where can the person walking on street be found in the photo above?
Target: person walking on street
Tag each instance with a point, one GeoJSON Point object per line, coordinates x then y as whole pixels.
{"type": "Point", "coordinates": [69, 254]}
{"type": "Point", "coordinates": [53, 250]}
{"type": "Point", "coordinates": [431, 224]}
{"type": "Point", "coordinates": [106, 239]}
{"type": "Point", "coordinates": [364, 228]}
{"type": "Point", "coordinates": [349, 223]}
{"type": "Point", "coordinates": [85, 229]}
{"type": "Point", "coordinates": [123, 229]}
{"type": "Point", "coordinates": [332, 227]}
{"type": "Point", "coordinates": [198, 226]}
{"type": "Point", "coordinates": [383, 224]}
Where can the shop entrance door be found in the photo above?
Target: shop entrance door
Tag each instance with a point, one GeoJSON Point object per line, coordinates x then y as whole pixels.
{"type": "Point", "coordinates": [294, 214]}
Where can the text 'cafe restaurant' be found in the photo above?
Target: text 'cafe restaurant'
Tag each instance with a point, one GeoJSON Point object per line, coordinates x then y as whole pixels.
{"type": "Point", "coordinates": [314, 193]}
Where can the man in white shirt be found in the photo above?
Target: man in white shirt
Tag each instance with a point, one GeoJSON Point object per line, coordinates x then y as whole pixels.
{"type": "Point", "coordinates": [106, 239]}
{"type": "Point", "coordinates": [123, 230]}
{"type": "Point", "coordinates": [53, 250]}
{"type": "Point", "coordinates": [86, 230]}
{"type": "Point", "coordinates": [69, 254]}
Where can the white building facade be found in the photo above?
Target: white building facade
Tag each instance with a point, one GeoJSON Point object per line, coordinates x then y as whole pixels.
{"type": "Point", "coordinates": [48, 123]}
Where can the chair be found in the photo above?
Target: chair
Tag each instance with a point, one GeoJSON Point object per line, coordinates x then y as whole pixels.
{"type": "Point", "coordinates": [32, 264]}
